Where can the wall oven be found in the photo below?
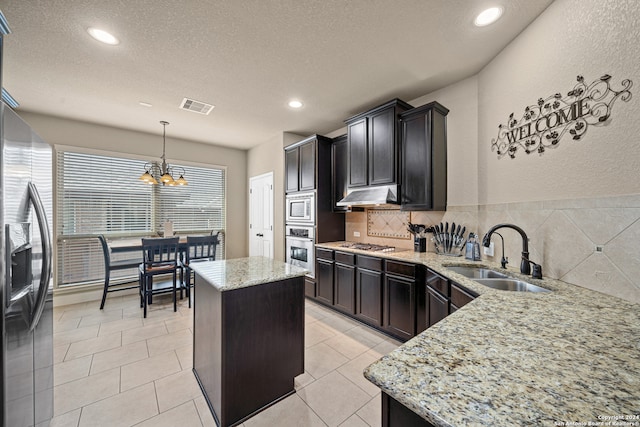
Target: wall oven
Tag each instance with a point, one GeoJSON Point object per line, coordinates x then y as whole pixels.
{"type": "Point", "coordinates": [300, 248]}
{"type": "Point", "coordinates": [301, 208]}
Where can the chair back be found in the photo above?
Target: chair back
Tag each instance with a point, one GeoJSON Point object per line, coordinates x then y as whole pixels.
{"type": "Point", "coordinates": [105, 250]}
{"type": "Point", "coordinates": [160, 252]}
{"type": "Point", "coordinates": [201, 248]}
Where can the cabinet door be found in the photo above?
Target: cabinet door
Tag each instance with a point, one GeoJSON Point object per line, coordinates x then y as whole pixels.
{"type": "Point", "coordinates": [399, 306]}
{"type": "Point", "coordinates": [309, 287]}
{"type": "Point", "coordinates": [357, 142]}
{"type": "Point", "coordinates": [382, 147]}
{"type": "Point", "coordinates": [291, 170]}
{"type": "Point", "coordinates": [307, 166]}
{"type": "Point", "coordinates": [345, 288]}
{"type": "Point", "coordinates": [340, 169]}
{"type": "Point", "coordinates": [324, 281]}
{"type": "Point", "coordinates": [416, 163]}
{"type": "Point", "coordinates": [438, 306]}
{"type": "Point", "coordinates": [369, 296]}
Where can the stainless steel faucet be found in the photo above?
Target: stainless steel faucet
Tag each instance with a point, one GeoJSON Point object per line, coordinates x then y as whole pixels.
{"type": "Point", "coordinates": [525, 263]}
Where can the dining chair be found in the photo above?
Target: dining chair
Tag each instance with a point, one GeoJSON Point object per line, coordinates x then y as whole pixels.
{"type": "Point", "coordinates": [111, 265]}
{"type": "Point", "coordinates": [159, 257]}
{"type": "Point", "coordinates": [199, 248]}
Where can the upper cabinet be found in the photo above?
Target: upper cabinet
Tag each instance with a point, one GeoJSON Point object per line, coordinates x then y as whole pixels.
{"type": "Point", "coordinates": [339, 156]}
{"type": "Point", "coordinates": [300, 166]}
{"type": "Point", "coordinates": [424, 158]}
{"type": "Point", "coordinates": [373, 140]}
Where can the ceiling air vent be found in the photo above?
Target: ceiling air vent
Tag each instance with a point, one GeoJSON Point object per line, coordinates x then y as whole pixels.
{"type": "Point", "coordinates": [195, 106]}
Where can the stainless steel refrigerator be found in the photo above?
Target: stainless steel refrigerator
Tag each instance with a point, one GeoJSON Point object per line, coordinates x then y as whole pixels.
{"type": "Point", "coordinates": [25, 274]}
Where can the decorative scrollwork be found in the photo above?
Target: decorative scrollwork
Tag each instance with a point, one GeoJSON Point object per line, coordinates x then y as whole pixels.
{"type": "Point", "coordinates": [543, 124]}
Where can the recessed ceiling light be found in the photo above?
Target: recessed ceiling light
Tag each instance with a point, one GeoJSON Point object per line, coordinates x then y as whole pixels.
{"type": "Point", "coordinates": [145, 104]}
{"type": "Point", "coordinates": [103, 36]}
{"type": "Point", "coordinates": [295, 104]}
{"type": "Point", "coordinates": [488, 16]}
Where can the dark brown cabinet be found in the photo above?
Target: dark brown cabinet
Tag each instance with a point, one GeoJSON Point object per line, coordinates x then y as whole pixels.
{"type": "Point", "coordinates": [324, 280]}
{"type": "Point", "coordinates": [400, 298]}
{"type": "Point", "coordinates": [424, 158]}
{"type": "Point", "coordinates": [442, 297]}
{"type": "Point", "coordinates": [345, 287]}
{"type": "Point", "coordinates": [369, 296]}
{"type": "Point", "coordinates": [300, 166]}
{"type": "Point", "coordinates": [340, 170]}
{"type": "Point", "coordinates": [373, 140]}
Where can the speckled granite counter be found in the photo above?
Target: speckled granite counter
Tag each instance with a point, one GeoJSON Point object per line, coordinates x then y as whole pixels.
{"type": "Point", "coordinates": [239, 273]}
{"type": "Point", "coordinates": [512, 358]}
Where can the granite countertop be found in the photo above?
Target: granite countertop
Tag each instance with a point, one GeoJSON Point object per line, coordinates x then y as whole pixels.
{"type": "Point", "coordinates": [565, 357]}
{"type": "Point", "coordinates": [227, 275]}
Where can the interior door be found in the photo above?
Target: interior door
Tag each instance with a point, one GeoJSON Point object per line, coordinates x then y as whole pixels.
{"type": "Point", "coordinates": [261, 215]}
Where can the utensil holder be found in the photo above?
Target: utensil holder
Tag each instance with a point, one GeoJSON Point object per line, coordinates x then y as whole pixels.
{"type": "Point", "coordinates": [419, 244]}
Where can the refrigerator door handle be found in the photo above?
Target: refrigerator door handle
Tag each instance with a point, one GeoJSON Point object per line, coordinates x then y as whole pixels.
{"type": "Point", "coordinates": [45, 277]}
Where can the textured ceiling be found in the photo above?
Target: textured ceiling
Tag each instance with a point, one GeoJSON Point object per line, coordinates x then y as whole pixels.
{"type": "Point", "coordinates": [248, 58]}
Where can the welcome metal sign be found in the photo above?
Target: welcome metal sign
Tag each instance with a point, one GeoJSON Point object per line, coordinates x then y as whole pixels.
{"type": "Point", "coordinates": [543, 125]}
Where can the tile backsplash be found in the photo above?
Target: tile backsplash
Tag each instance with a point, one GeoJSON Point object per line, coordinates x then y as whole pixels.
{"type": "Point", "coordinates": [594, 243]}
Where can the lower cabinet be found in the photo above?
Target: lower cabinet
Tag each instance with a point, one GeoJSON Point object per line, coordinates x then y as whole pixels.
{"type": "Point", "coordinates": [309, 287]}
{"type": "Point", "coordinates": [369, 296]}
{"type": "Point", "coordinates": [345, 287]}
{"type": "Point", "coordinates": [399, 298]}
{"type": "Point", "coordinates": [324, 281]}
{"type": "Point", "coordinates": [395, 414]}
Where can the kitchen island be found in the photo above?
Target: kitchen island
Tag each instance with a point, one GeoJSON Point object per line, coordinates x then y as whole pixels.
{"type": "Point", "coordinates": [248, 338]}
{"type": "Point", "coordinates": [566, 357]}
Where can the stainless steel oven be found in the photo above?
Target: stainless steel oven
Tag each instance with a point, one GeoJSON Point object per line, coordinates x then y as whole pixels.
{"type": "Point", "coordinates": [300, 248]}
{"type": "Point", "coordinates": [301, 208]}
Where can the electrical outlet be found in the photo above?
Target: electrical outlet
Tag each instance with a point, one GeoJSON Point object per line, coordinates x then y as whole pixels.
{"type": "Point", "coordinates": [488, 250]}
{"type": "Point", "coordinates": [356, 234]}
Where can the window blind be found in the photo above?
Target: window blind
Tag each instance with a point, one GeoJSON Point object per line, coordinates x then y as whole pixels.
{"type": "Point", "coordinates": [99, 194]}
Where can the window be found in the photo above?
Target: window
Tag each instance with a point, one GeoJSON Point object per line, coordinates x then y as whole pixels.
{"type": "Point", "coordinates": [99, 194]}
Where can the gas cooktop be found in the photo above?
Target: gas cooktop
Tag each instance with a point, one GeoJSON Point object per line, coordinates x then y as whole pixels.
{"type": "Point", "coordinates": [368, 247]}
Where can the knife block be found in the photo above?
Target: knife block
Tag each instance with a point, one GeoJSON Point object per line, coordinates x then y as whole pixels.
{"type": "Point", "coordinates": [419, 244]}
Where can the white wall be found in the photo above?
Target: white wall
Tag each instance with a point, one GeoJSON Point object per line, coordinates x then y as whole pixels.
{"type": "Point", "coordinates": [571, 37]}
{"type": "Point", "coordinates": [59, 131]}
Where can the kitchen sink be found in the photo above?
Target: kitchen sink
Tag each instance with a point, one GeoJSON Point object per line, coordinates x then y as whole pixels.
{"type": "Point", "coordinates": [496, 280]}
{"type": "Point", "coordinates": [477, 272]}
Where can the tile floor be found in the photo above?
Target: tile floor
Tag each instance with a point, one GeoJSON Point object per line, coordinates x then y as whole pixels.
{"type": "Point", "coordinates": [114, 368]}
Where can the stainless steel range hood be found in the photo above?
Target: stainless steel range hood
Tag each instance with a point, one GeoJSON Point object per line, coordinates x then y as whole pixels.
{"type": "Point", "coordinates": [371, 196]}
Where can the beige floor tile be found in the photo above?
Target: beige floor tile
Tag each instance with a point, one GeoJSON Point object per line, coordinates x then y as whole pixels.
{"type": "Point", "coordinates": [203, 411]}
{"type": "Point", "coordinates": [76, 394]}
{"type": "Point", "coordinates": [385, 347]}
{"type": "Point", "coordinates": [75, 335]}
{"type": "Point", "coordinates": [346, 345]}
{"type": "Point", "coordinates": [334, 398]}
{"type": "Point", "coordinates": [66, 325]}
{"type": "Point", "coordinates": [366, 336]}
{"type": "Point", "coordinates": [119, 356]}
{"type": "Point", "coordinates": [60, 352]}
{"type": "Point", "coordinates": [338, 323]}
{"type": "Point", "coordinates": [124, 409]}
{"type": "Point", "coordinates": [354, 421]}
{"type": "Point", "coordinates": [169, 342]}
{"type": "Point", "coordinates": [321, 359]}
{"type": "Point", "coordinates": [71, 370]}
{"type": "Point", "coordinates": [183, 415]}
{"type": "Point", "coordinates": [315, 333]}
{"type": "Point", "coordinates": [144, 333]}
{"type": "Point", "coordinates": [178, 324]}
{"type": "Point", "coordinates": [176, 389]}
{"type": "Point", "coordinates": [148, 370]}
{"type": "Point", "coordinates": [371, 413]}
{"type": "Point", "coordinates": [185, 356]}
{"type": "Point", "coordinates": [161, 315]}
{"type": "Point", "coordinates": [78, 310]}
{"type": "Point", "coordinates": [291, 411]}
{"type": "Point", "coordinates": [303, 380]}
{"type": "Point", "coordinates": [353, 372]}
{"type": "Point", "coordinates": [107, 328]}
{"type": "Point", "coordinates": [70, 419]}
{"type": "Point", "coordinates": [93, 345]}
{"type": "Point", "coordinates": [98, 317]}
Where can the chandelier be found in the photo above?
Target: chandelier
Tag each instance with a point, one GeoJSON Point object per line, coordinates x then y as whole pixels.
{"type": "Point", "coordinates": [155, 172]}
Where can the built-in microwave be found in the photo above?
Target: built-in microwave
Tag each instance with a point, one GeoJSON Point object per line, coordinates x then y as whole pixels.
{"type": "Point", "coordinates": [301, 208]}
